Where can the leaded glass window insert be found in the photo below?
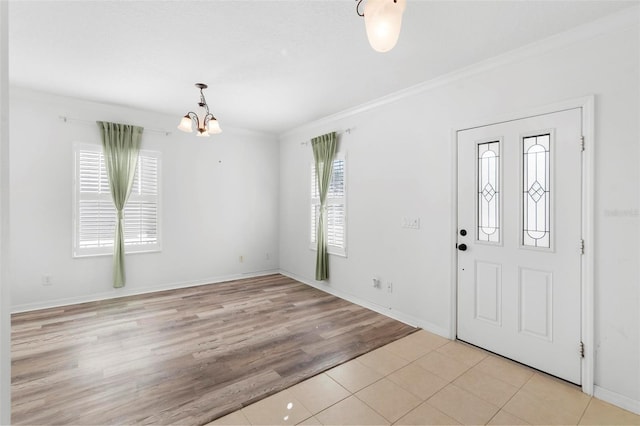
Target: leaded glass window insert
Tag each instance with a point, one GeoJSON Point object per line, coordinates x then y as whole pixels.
{"type": "Point", "coordinates": [489, 192]}
{"type": "Point", "coordinates": [536, 195]}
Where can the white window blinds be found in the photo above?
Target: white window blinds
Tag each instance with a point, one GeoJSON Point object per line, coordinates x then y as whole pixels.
{"type": "Point", "coordinates": [336, 208]}
{"type": "Point", "coordinates": [95, 214]}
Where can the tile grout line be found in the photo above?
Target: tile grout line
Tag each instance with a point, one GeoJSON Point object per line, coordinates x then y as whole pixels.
{"type": "Point", "coordinates": [512, 396]}
{"type": "Point", "coordinates": [376, 411]}
{"type": "Point", "coordinates": [449, 382]}
{"type": "Point", "coordinates": [386, 377]}
{"type": "Point", "coordinates": [585, 409]}
{"type": "Point", "coordinates": [350, 393]}
{"type": "Point", "coordinates": [335, 403]}
{"type": "Point", "coordinates": [478, 396]}
{"type": "Point", "coordinates": [422, 401]}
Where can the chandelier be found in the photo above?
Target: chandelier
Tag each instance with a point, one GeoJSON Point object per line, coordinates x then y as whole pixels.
{"type": "Point", "coordinates": [382, 20]}
{"type": "Point", "coordinates": [208, 125]}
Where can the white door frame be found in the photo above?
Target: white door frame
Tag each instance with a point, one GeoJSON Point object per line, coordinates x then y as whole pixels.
{"type": "Point", "coordinates": [588, 216]}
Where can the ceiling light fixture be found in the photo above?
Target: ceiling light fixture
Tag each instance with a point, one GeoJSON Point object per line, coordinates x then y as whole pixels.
{"type": "Point", "coordinates": [383, 20]}
{"type": "Point", "coordinates": [208, 125]}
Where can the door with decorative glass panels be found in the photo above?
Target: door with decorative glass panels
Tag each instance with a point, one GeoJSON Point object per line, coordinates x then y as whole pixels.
{"type": "Point", "coordinates": [519, 240]}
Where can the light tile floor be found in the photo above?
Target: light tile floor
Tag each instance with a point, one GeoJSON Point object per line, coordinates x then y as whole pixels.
{"type": "Point", "coordinates": [425, 379]}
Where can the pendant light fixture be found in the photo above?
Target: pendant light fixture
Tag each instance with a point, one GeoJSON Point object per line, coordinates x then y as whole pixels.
{"type": "Point", "coordinates": [208, 125]}
{"type": "Point", "coordinates": [382, 20]}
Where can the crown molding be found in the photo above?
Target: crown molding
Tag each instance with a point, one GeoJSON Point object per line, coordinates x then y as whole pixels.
{"type": "Point", "coordinates": [158, 118]}
{"type": "Point", "coordinates": [618, 21]}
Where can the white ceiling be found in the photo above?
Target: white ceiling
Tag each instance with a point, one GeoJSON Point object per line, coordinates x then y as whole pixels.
{"type": "Point", "coordinates": [270, 65]}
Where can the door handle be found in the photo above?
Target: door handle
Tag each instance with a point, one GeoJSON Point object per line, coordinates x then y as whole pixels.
{"type": "Point", "coordinates": [462, 247]}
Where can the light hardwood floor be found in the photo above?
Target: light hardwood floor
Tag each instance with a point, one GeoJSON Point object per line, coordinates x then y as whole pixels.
{"type": "Point", "coordinates": [183, 356]}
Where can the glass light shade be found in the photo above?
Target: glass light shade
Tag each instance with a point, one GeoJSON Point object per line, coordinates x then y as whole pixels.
{"type": "Point", "coordinates": [202, 132]}
{"type": "Point", "coordinates": [214, 127]}
{"type": "Point", "coordinates": [186, 124]}
{"type": "Point", "coordinates": [383, 20]}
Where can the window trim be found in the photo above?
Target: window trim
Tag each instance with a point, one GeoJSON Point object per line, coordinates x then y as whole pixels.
{"type": "Point", "coordinates": [331, 249]}
{"type": "Point", "coordinates": [77, 252]}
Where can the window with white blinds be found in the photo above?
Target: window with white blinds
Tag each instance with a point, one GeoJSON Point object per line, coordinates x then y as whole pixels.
{"type": "Point", "coordinates": [95, 214]}
{"type": "Point", "coordinates": [336, 208]}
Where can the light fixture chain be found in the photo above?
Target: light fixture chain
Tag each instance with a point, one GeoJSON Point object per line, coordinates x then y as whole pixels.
{"type": "Point", "coordinates": [203, 101]}
{"type": "Point", "coordinates": [208, 125]}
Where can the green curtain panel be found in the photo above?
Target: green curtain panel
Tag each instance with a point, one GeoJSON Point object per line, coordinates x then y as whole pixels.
{"type": "Point", "coordinates": [121, 145]}
{"type": "Point", "coordinates": [324, 150]}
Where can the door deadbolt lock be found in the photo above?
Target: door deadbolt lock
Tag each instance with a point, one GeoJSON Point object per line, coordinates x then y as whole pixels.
{"type": "Point", "coordinates": [462, 247]}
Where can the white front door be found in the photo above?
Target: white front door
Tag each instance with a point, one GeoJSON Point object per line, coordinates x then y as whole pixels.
{"type": "Point", "coordinates": [519, 240]}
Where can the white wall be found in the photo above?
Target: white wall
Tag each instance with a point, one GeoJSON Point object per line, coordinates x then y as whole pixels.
{"type": "Point", "coordinates": [400, 164]}
{"type": "Point", "coordinates": [5, 319]}
{"type": "Point", "coordinates": [219, 202]}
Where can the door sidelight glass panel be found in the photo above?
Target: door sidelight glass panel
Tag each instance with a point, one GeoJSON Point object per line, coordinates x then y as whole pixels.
{"type": "Point", "coordinates": [536, 195]}
{"type": "Point", "coordinates": [489, 192]}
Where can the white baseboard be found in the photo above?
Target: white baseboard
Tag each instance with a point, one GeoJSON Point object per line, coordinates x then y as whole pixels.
{"type": "Point", "coordinates": [614, 398]}
{"type": "Point", "coordinates": [606, 395]}
{"type": "Point", "coordinates": [389, 312]}
{"type": "Point", "coordinates": [128, 291]}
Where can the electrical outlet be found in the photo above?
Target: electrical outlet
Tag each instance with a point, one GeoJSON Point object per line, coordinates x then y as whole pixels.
{"type": "Point", "coordinates": [46, 279]}
{"type": "Point", "coordinates": [376, 282]}
{"type": "Point", "coordinates": [410, 222]}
